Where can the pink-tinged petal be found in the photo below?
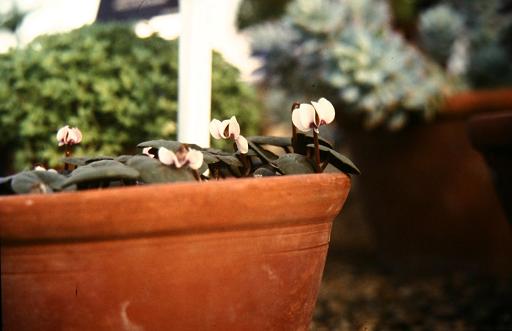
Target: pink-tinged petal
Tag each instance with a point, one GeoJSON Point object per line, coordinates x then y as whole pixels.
{"type": "Point", "coordinates": [304, 117]}
{"type": "Point", "coordinates": [325, 111]}
{"type": "Point", "coordinates": [215, 128]}
{"type": "Point", "coordinates": [234, 128]}
{"type": "Point", "coordinates": [61, 134]}
{"type": "Point", "coordinates": [195, 159]}
{"type": "Point", "coordinates": [224, 129]}
{"type": "Point", "coordinates": [166, 156]}
{"type": "Point", "coordinates": [242, 144]}
{"type": "Point", "coordinates": [78, 135]}
{"type": "Point", "coordinates": [72, 137]}
{"type": "Point", "coordinates": [146, 150]}
{"type": "Point", "coordinates": [296, 119]}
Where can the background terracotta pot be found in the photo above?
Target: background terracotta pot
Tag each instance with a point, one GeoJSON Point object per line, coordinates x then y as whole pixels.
{"type": "Point", "coordinates": [231, 255]}
{"type": "Point", "coordinates": [491, 134]}
{"type": "Point", "coordinates": [478, 100]}
{"type": "Point", "coordinates": [427, 196]}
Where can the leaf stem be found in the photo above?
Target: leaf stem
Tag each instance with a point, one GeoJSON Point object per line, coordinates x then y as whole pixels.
{"type": "Point", "coordinates": [318, 168]}
{"type": "Point", "coordinates": [196, 175]}
{"type": "Point", "coordinates": [294, 129]}
{"type": "Point", "coordinates": [67, 153]}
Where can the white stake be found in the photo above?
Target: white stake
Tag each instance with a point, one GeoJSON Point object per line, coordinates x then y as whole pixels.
{"type": "Point", "coordinates": [195, 73]}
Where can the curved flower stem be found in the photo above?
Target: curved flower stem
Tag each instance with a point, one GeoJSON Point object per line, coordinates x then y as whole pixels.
{"type": "Point", "coordinates": [294, 129]}
{"type": "Point", "coordinates": [246, 163]}
{"type": "Point", "coordinates": [258, 151]}
{"type": "Point", "coordinates": [67, 153]}
{"type": "Point", "coordinates": [318, 168]}
{"type": "Point", "coordinates": [196, 175]}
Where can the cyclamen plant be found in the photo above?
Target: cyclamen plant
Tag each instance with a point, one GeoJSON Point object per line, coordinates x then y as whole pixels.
{"type": "Point", "coordinates": [164, 161]}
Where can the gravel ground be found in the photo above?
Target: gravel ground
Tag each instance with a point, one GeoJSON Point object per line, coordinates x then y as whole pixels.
{"type": "Point", "coordinates": [357, 297]}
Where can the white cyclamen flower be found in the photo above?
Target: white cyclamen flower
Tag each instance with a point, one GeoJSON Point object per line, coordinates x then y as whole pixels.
{"type": "Point", "coordinates": [183, 157]}
{"type": "Point", "coordinates": [229, 129]}
{"type": "Point", "coordinates": [146, 150]}
{"type": "Point", "coordinates": [69, 136]}
{"type": "Point", "coordinates": [41, 168]}
{"type": "Point", "coordinates": [308, 117]}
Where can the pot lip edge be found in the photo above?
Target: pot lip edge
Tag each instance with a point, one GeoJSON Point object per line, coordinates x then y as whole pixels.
{"type": "Point", "coordinates": [220, 183]}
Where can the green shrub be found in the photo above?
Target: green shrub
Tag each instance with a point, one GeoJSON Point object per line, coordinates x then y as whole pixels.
{"type": "Point", "coordinates": [117, 88]}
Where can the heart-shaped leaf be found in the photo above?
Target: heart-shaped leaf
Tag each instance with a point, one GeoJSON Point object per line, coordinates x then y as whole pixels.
{"type": "Point", "coordinates": [100, 172]}
{"type": "Point", "coordinates": [76, 161]}
{"type": "Point", "coordinates": [210, 158]}
{"type": "Point", "coordinates": [264, 172]}
{"type": "Point", "coordinates": [230, 160]}
{"type": "Point", "coordinates": [336, 159]}
{"type": "Point", "coordinates": [123, 158]}
{"type": "Point", "coordinates": [98, 158]}
{"type": "Point", "coordinates": [304, 139]}
{"type": "Point", "coordinates": [80, 161]}
{"type": "Point", "coordinates": [169, 144]}
{"type": "Point", "coordinates": [153, 171]}
{"type": "Point", "coordinates": [37, 182]}
{"type": "Point", "coordinates": [291, 164]}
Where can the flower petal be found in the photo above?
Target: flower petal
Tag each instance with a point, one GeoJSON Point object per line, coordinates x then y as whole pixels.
{"type": "Point", "coordinates": [224, 129]}
{"type": "Point", "coordinates": [61, 134]}
{"type": "Point", "coordinates": [303, 117]}
{"type": "Point", "coordinates": [72, 137]}
{"type": "Point", "coordinates": [39, 168]}
{"type": "Point", "coordinates": [166, 156]}
{"type": "Point", "coordinates": [215, 128]}
{"type": "Point", "coordinates": [325, 111]}
{"type": "Point", "coordinates": [242, 144]}
{"type": "Point", "coordinates": [78, 135]}
{"type": "Point", "coordinates": [195, 159]}
{"type": "Point", "coordinates": [234, 128]}
{"type": "Point", "coordinates": [146, 150]}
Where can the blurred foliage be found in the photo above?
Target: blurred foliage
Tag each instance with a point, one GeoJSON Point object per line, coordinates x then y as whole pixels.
{"type": "Point", "coordinates": [117, 88]}
{"type": "Point", "coordinates": [481, 28]}
{"type": "Point", "coordinates": [348, 51]}
{"type": "Point", "coordinates": [252, 12]}
{"type": "Point", "coordinates": [439, 28]}
{"type": "Point", "coordinates": [12, 19]}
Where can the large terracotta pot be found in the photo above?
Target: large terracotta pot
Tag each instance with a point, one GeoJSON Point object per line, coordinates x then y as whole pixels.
{"type": "Point", "coordinates": [230, 255]}
{"type": "Point", "coordinates": [428, 198]}
{"type": "Point", "coordinates": [491, 134]}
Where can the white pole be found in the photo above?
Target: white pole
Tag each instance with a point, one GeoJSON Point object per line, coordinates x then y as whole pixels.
{"type": "Point", "coordinates": [195, 73]}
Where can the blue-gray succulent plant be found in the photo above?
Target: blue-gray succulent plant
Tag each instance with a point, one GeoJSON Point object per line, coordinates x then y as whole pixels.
{"type": "Point", "coordinates": [348, 49]}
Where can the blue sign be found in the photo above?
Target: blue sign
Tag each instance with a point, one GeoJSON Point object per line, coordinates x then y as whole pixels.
{"type": "Point", "coordinates": [131, 10]}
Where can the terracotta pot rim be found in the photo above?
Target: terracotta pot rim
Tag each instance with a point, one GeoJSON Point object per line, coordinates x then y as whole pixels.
{"type": "Point", "coordinates": [171, 209]}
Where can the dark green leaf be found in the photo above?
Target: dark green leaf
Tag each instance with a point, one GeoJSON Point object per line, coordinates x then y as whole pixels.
{"type": "Point", "coordinates": [101, 172]}
{"type": "Point", "coordinates": [169, 144]}
{"type": "Point", "coordinates": [123, 158]}
{"type": "Point", "coordinates": [153, 171]}
{"type": "Point", "coordinates": [76, 161]}
{"type": "Point", "coordinates": [36, 182]}
{"type": "Point", "coordinates": [209, 158]}
{"type": "Point", "coordinates": [292, 163]}
{"type": "Point", "coordinates": [304, 139]}
{"type": "Point", "coordinates": [97, 158]}
{"type": "Point", "coordinates": [336, 159]}
{"type": "Point", "coordinates": [230, 160]}
{"type": "Point", "coordinates": [264, 172]}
